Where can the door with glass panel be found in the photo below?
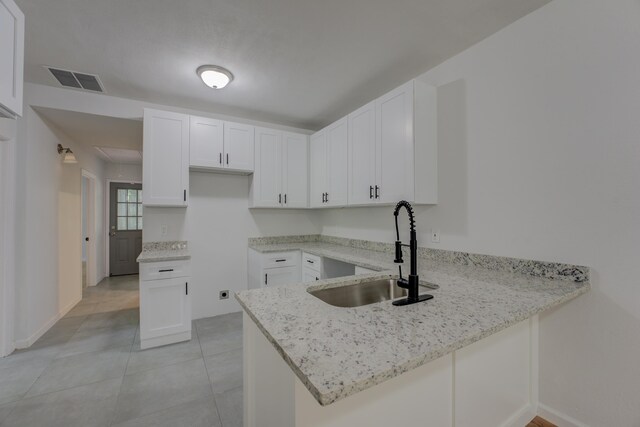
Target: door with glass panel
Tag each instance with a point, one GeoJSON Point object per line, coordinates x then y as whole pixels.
{"type": "Point", "coordinates": [125, 228]}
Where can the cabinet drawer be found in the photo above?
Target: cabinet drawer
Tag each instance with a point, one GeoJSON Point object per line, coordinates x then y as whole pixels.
{"type": "Point", "coordinates": [164, 269]}
{"type": "Point", "coordinates": [281, 259]}
{"type": "Point", "coordinates": [312, 262]}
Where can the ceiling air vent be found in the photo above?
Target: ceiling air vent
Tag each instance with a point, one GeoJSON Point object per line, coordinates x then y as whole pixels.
{"type": "Point", "coordinates": [77, 80]}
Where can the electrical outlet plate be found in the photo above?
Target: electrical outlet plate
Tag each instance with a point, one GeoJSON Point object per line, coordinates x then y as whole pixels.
{"type": "Point", "coordinates": [224, 294]}
{"type": "Point", "coordinates": [435, 235]}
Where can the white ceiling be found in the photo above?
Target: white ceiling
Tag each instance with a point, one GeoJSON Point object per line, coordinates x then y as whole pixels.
{"type": "Point", "coordinates": [119, 140]}
{"type": "Point", "coordinates": [120, 155]}
{"type": "Point", "coordinates": [302, 63]}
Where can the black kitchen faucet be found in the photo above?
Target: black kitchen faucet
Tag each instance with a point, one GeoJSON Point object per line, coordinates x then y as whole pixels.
{"type": "Point", "coordinates": [412, 283]}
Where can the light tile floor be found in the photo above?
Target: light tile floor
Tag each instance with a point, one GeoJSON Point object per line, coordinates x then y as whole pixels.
{"type": "Point", "coordinates": [88, 370]}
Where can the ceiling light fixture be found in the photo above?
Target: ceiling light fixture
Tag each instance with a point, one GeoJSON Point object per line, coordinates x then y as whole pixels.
{"type": "Point", "coordinates": [68, 157]}
{"type": "Point", "coordinates": [215, 77]}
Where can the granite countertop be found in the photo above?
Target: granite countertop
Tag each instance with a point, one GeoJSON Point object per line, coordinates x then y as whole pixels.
{"type": "Point", "coordinates": [337, 352]}
{"type": "Point", "coordinates": [164, 251]}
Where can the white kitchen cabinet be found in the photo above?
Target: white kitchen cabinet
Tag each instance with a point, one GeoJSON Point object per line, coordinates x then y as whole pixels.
{"type": "Point", "coordinates": [492, 382]}
{"type": "Point", "coordinates": [393, 148]}
{"type": "Point", "coordinates": [165, 163]}
{"type": "Point", "coordinates": [220, 146]}
{"type": "Point", "coordinates": [295, 170]}
{"type": "Point", "coordinates": [281, 170]}
{"type": "Point", "coordinates": [281, 276]}
{"type": "Point", "coordinates": [273, 269]}
{"type": "Point", "coordinates": [329, 165]}
{"type": "Point", "coordinates": [11, 58]}
{"type": "Point", "coordinates": [317, 169]}
{"type": "Point", "coordinates": [206, 142]}
{"type": "Point", "coordinates": [362, 155]}
{"type": "Point", "coordinates": [312, 269]}
{"type": "Point", "coordinates": [337, 163]}
{"type": "Point", "coordinates": [238, 147]}
{"type": "Point", "coordinates": [494, 378]}
{"type": "Point", "coordinates": [309, 275]}
{"type": "Point", "coordinates": [165, 303]}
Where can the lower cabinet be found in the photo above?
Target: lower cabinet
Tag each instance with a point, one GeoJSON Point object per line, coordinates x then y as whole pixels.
{"type": "Point", "coordinates": [165, 303]}
{"type": "Point", "coordinates": [490, 383]}
{"type": "Point", "coordinates": [273, 269]}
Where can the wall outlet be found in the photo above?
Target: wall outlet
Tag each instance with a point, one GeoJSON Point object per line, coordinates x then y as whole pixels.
{"type": "Point", "coordinates": [164, 229]}
{"type": "Point", "coordinates": [224, 294]}
{"type": "Point", "coordinates": [435, 235]}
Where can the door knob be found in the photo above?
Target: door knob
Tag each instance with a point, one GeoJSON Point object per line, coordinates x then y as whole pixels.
{"type": "Point", "coordinates": [86, 239]}
{"type": "Point", "coordinates": [112, 233]}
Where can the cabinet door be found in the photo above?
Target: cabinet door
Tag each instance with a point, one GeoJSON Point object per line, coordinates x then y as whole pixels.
{"type": "Point", "coordinates": [267, 179]}
{"type": "Point", "coordinates": [165, 160]}
{"type": "Point", "coordinates": [309, 275]}
{"type": "Point", "coordinates": [318, 169]}
{"type": "Point", "coordinates": [165, 307]}
{"type": "Point", "coordinates": [493, 379]}
{"type": "Point", "coordinates": [394, 144]}
{"type": "Point", "coordinates": [238, 146]}
{"type": "Point", "coordinates": [281, 276]}
{"type": "Point", "coordinates": [337, 163]}
{"type": "Point", "coordinates": [11, 57]}
{"type": "Point", "coordinates": [205, 143]}
{"type": "Point", "coordinates": [362, 155]}
{"type": "Point", "coordinates": [295, 149]}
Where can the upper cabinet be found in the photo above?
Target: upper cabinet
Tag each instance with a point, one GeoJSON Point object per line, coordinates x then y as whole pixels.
{"type": "Point", "coordinates": [329, 166]}
{"type": "Point", "coordinates": [221, 146]}
{"type": "Point", "coordinates": [393, 148]}
{"type": "Point", "coordinates": [11, 58]}
{"type": "Point", "coordinates": [281, 170]}
{"type": "Point", "coordinates": [165, 160]}
{"type": "Point", "coordinates": [362, 155]}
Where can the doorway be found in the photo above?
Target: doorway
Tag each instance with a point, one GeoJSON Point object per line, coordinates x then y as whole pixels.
{"type": "Point", "coordinates": [88, 206]}
{"type": "Point", "coordinates": [125, 227]}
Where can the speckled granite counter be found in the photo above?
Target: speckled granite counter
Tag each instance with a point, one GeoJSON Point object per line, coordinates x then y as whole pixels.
{"type": "Point", "coordinates": [337, 352]}
{"type": "Point", "coordinates": [164, 251]}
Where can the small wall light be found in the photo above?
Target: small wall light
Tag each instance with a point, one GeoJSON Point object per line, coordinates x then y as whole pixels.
{"type": "Point", "coordinates": [214, 76]}
{"type": "Point", "coordinates": [68, 157]}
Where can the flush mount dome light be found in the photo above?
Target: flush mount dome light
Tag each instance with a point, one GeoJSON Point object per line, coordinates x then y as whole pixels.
{"type": "Point", "coordinates": [215, 77]}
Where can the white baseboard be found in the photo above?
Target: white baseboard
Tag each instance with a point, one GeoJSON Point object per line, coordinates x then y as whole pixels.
{"type": "Point", "coordinates": [522, 417]}
{"type": "Point", "coordinates": [557, 417]}
{"type": "Point", "coordinates": [28, 342]}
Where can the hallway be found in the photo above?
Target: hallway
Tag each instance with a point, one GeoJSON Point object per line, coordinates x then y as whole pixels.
{"type": "Point", "coordinates": [88, 370]}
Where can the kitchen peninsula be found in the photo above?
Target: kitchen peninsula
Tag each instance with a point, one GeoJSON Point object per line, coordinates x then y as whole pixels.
{"type": "Point", "coordinates": [467, 357]}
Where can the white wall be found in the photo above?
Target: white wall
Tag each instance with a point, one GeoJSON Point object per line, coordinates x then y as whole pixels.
{"type": "Point", "coordinates": [539, 155]}
{"type": "Point", "coordinates": [217, 224]}
{"type": "Point", "coordinates": [48, 226]}
{"type": "Point", "coordinates": [8, 130]}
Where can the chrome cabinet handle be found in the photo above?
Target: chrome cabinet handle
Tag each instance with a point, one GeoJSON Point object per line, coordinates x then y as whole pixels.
{"type": "Point", "coordinates": [377, 192]}
{"type": "Point", "coordinates": [220, 158]}
{"type": "Point", "coordinates": [371, 191]}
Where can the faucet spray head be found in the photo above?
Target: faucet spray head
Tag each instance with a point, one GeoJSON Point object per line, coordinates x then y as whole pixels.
{"type": "Point", "coordinates": [398, 259]}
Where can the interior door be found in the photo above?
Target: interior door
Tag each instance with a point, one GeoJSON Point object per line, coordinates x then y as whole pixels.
{"type": "Point", "coordinates": [125, 228]}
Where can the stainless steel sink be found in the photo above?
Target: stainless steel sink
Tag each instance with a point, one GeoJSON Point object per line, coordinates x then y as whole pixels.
{"type": "Point", "coordinates": [365, 293]}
